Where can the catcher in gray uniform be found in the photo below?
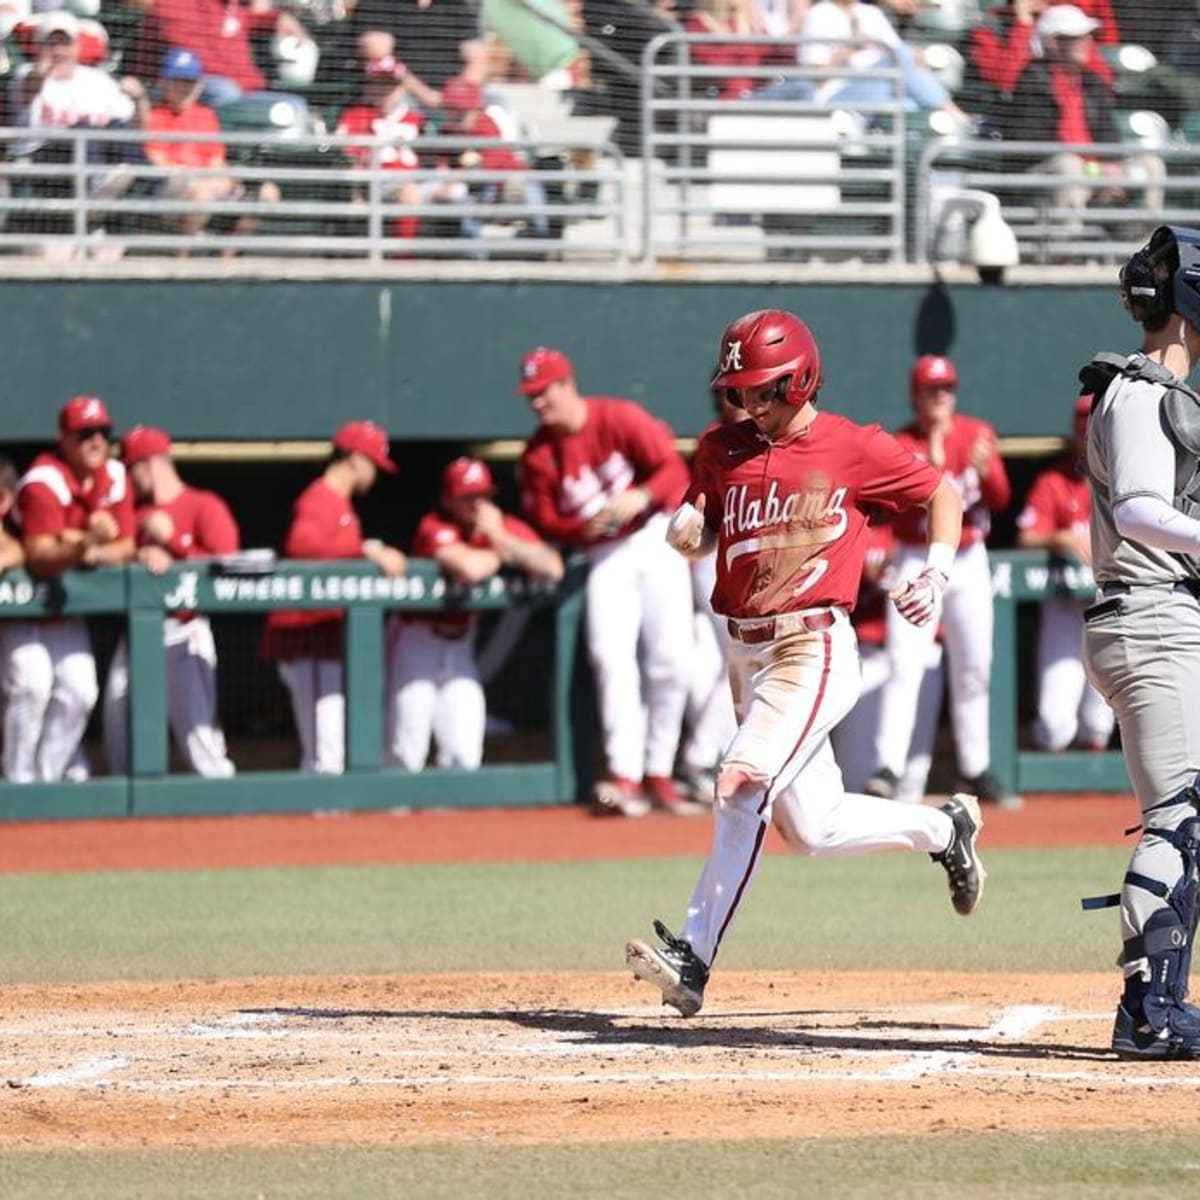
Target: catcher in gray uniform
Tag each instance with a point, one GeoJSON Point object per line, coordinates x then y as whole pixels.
{"type": "Point", "coordinates": [1142, 637]}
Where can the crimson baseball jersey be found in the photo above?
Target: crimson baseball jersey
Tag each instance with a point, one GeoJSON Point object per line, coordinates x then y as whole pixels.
{"type": "Point", "coordinates": [398, 127]}
{"type": "Point", "coordinates": [324, 525]}
{"type": "Point", "coordinates": [567, 479]}
{"type": "Point", "coordinates": [436, 532]}
{"type": "Point", "coordinates": [204, 526]}
{"type": "Point", "coordinates": [51, 497]}
{"type": "Point", "coordinates": [981, 495]}
{"type": "Point", "coordinates": [791, 515]}
{"type": "Point", "coordinates": [1059, 499]}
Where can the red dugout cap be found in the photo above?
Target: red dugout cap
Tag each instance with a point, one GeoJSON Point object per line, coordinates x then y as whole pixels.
{"type": "Point", "coordinates": [933, 370]}
{"type": "Point", "coordinates": [143, 442]}
{"type": "Point", "coordinates": [365, 437]}
{"type": "Point", "coordinates": [84, 412]}
{"type": "Point", "coordinates": [541, 367]}
{"type": "Point", "coordinates": [467, 477]}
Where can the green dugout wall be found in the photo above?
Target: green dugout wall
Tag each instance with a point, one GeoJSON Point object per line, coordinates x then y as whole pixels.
{"type": "Point", "coordinates": [273, 360]}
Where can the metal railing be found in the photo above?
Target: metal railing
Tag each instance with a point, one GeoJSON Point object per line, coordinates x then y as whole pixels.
{"type": "Point", "coordinates": [779, 169]}
{"type": "Point", "coordinates": [79, 192]}
{"type": "Point", "coordinates": [1116, 218]}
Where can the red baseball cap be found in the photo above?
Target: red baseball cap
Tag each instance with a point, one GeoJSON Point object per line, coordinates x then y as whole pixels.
{"type": "Point", "coordinates": [461, 95]}
{"type": "Point", "coordinates": [365, 437]}
{"type": "Point", "coordinates": [467, 477]}
{"type": "Point", "coordinates": [143, 442]}
{"type": "Point", "coordinates": [541, 367]}
{"type": "Point", "coordinates": [933, 370]}
{"type": "Point", "coordinates": [84, 412]}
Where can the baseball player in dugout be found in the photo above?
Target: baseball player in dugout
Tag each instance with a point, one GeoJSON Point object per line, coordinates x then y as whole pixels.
{"type": "Point", "coordinates": [964, 449]}
{"type": "Point", "coordinates": [307, 646]}
{"type": "Point", "coordinates": [602, 474]}
{"type": "Point", "coordinates": [783, 499]}
{"type": "Point", "coordinates": [1057, 517]}
{"type": "Point", "coordinates": [435, 692]}
{"type": "Point", "coordinates": [73, 509]}
{"type": "Point", "coordinates": [174, 523]}
{"type": "Point", "coordinates": [1142, 637]}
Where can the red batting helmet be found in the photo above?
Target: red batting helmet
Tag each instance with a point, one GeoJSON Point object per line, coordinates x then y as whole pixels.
{"type": "Point", "coordinates": [768, 346]}
{"type": "Point", "coordinates": [932, 370]}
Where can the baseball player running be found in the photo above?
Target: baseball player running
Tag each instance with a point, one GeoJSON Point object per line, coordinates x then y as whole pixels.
{"type": "Point", "coordinates": [73, 509]}
{"type": "Point", "coordinates": [1142, 637]}
{"type": "Point", "coordinates": [602, 473]}
{"type": "Point", "coordinates": [307, 645]}
{"type": "Point", "coordinates": [174, 522]}
{"type": "Point", "coordinates": [965, 449]}
{"type": "Point", "coordinates": [1057, 517]}
{"type": "Point", "coordinates": [782, 498]}
{"type": "Point", "coordinates": [435, 690]}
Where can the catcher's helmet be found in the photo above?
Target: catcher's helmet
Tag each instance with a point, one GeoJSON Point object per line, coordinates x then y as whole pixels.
{"type": "Point", "coordinates": [932, 370]}
{"type": "Point", "coordinates": [1163, 277]}
{"type": "Point", "coordinates": [769, 346]}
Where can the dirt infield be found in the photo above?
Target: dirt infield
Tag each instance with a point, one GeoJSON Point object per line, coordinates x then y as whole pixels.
{"type": "Point", "coordinates": [457, 836]}
{"type": "Point", "coordinates": [576, 1058]}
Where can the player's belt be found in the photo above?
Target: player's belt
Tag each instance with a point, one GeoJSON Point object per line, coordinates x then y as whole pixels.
{"type": "Point", "coordinates": [1189, 587]}
{"type": "Point", "coordinates": [767, 629]}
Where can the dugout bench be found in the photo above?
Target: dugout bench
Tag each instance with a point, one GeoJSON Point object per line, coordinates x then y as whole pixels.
{"type": "Point", "coordinates": [143, 599]}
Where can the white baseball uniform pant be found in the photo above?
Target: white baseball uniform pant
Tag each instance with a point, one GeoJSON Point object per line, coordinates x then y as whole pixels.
{"type": "Point", "coordinates": [191, 654]}
{"type": "Point", "coordinates": [710, 719]}
{"type": "Point", "coordinates": [639, 636]}
{"type": "Point", "coordinates": [789, 693]}
{"type": "Point", "coordinates": [434, 693]}
{"type": "Point", "coordinates": [50, 688]}
{"type": "Point", "coordinates": [1069, 708]}
{"type": "Point", "coordinates": [319, 708]}
{"type": "Point", "coordinates": [853, 738]}
{"type": "Point", "coordinates": [967, 623]}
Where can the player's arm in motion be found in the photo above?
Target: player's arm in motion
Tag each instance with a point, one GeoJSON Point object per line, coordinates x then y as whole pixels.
{"type": "Point", "coordinates": [518, 545]}
{"type": "Point", "coordinates": [919, 599]}
{"type": "Point", "coordinates": [688, 532]}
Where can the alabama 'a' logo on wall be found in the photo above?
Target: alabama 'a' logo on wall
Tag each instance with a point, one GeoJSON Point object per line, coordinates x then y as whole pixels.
{"type": "Point", "coordinates": [733, 358]}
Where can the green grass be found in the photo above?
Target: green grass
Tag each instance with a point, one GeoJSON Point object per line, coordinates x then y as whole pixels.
{"type": "Point", "coordinates": [995, 1167]}
{"type": "Point", "coordinates": [887, 911]}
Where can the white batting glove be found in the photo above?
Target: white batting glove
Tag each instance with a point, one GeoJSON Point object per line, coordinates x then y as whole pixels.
{"type": "Point", "coordinates": [919, 600]}
{"type": "Point", "coordinates": [686, 529]}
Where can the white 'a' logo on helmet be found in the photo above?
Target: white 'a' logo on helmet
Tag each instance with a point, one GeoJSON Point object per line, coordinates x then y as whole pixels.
{"type": "Point", "coordinates": [733, 358]}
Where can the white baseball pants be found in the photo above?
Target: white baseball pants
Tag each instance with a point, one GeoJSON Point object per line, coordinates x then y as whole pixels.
{"type": "Point", "coordinates": [853, 739]}
{"type": "Point", "coordinates": [191, 656]}
{"type": "Point", "coordinates": [50, 688]}
{"type": "Point", "coordinates": [780, 769]}
{"type": "Point", "coordinates": [319, 708]}
{"type": "Point", "coordinates": [434, 693]}
{"type": "Point", "coordinates": [1068, 706]}
{"type": "Point", "coordinates": [639, 636]}
{"type": "Point", "coordinates": [967, 623]}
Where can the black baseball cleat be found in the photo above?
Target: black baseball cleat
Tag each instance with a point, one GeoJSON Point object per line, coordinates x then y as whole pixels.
{"type": "Point", "coordinates": [1135, 1038]}
{"type": "Point", "coordinates": [960, 859]}
{"type": "Point", "coordinates": [674, 969]}
{"type": "Point", "coordinates": [990, 790]}
{"type": "Point", "coordinates": [882, 784]}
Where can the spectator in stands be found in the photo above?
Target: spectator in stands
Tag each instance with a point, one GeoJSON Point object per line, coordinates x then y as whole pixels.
{"type": "Point", "coordinates": [1059, 99]}
{"type": "Point", "coordinates": [181, 112]}
{"type": "Point", "coordinates": [738, 17]}
{"type": "Point", "coordinates": [174, 523]}
{"type": "Point", "coordinates": [377, 58]}
{"type": "Point", "coordinates": [1057, 517]}
{"type": "Point", "coordinates": [833, 35]}
{"type": "Point", "coordinates": [466, 115]}
{"type": "Point", "coordinates": [218, 33]}
{"type": "Point", "coordinates": [425, 33]}
{"type": "Point", "coordinates": [1003, 43]}
{"type": "Point", "coordinates": [12, 553]}
{"type": "Point", "coordinates": [434, 689]}
{"type": "Point", "coordinates": [307, 645]}
{"type": "Point", "coordinates": [384, 111]}
{"type": "Point", "coordinates": [56, 91]}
